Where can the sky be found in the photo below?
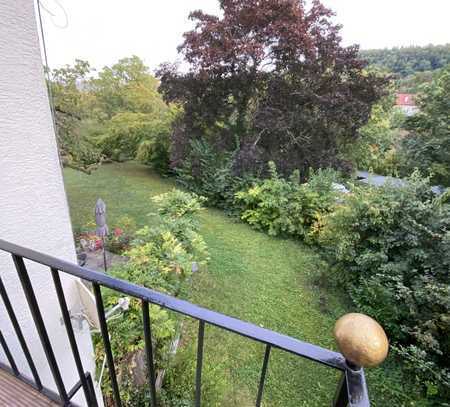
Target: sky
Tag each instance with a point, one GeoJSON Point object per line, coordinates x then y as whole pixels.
{"type": "Point", "coordinates": [103, 31]}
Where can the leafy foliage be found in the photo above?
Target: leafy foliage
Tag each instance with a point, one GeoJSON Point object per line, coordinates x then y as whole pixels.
{"type": "Point", "coordinates": [127, 86]}
{"type": "Point", "coordinates": [137, 121]}
{"type": "Point", "coordinates": [209, 173]}
{"type": "Point", "coordinates": [377, 147]}
{"type": "Point", "coordinates": [414, 83]}
{"type": "Point", "coordinates": [72, 110]}
{"type": "Point", "coordinates": [138, 135]}
{"type": "Point", "coordinates": [269, 80]}
{"type": "Point", "coordinates": [286, 207]}
{"type": "Point", "coordinates": [124, 132]}
{"type": "Point", "coordinates": [121, 235]}
{"type": "Point", "coordinates": [236, 283]}
{"type": "Point", "coordinates": [428, 145]}
{"type": "Point", "coordinates": [391, 248]}
{"type": "Point", "coordinates": [118, 115]}
{"type": "Point", "coordinates": [160, 258]}
{"type": "Point", "coordinates": [408, 60]}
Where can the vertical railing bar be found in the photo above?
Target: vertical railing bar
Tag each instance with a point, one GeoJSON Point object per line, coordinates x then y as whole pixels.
{"type": "Point", "coordinates": [356, 387]}
{"type": "Point", "coordinates": [106, 343]}
{"type": "Point", "coordinates": [91, 390]}
{"type": "Point", "coordinates": [341, 396]}
{"type": "Point", "coordinates": [20, 337]}
{"type": "Point", "coordinates": [263, 375]}
{"type": "Point", "coordinates": [70, 334]}
{"type": "Point", "coordinates": [8, 354]}
{"type": "Point", "coordinates": [39, 322]}
{"type": "Point", "coordinates": [149, 349]}
{"type": "Point", "coordinates": [198, 372]}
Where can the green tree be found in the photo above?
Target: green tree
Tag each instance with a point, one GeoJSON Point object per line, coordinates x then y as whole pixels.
{"type": "Point", "coordinates": [428, 145]}
{"type": "Point", "coordinates": [73, 103]}
{"type": "Point", "coordinates": [127, 86]}
{"type": "Point", "coordinates": [376, 147]}
{"type": "Point", "coordinates": [114, 115]}
{"type": "Point", "coordinates": [136, 120]}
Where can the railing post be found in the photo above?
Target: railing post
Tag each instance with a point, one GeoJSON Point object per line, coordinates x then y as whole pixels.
{"type": "Point", "coordinates": [363, 343]}
{"type": "Point", "coordinates": [341, 396]}
{"type": "Point", "coordinates": [8, 354]}
{"type": "Point", "coordinates": [149, 351]}
{"type": "Point", "coordinates": [40, 326]}
{"type": "Point", "coordinates": [91, 390]}
{"type": "Point", "coordinates": [20, 337]}
{"type": "Point", "coordinates": [263, 376]}
{"type": "Point", "coordinates": [198, 370]}
{"type": "Point", "coordinates": [71, 336]}
{"type": "Point", "coordinates": [107, 344]}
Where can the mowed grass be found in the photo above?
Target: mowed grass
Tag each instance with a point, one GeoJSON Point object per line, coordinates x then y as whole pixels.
{"type": "Point", "coordinates": [126, 189]}
{"type": "Point", "coordinates": [251, 276]}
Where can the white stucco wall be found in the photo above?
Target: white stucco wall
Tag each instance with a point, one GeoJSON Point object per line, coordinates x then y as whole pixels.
{"type": "Point", "coordinates": [408, 110]}
{"type": "Point", "coordinates": [33, 207]}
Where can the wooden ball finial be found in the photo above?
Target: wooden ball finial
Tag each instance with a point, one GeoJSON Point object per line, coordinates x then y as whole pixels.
{"type": "Point", "coordinates": [361, 340]}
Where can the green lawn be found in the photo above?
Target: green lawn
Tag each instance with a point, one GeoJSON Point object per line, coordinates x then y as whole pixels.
{"type": "Point", "coordinates": [252, 276]}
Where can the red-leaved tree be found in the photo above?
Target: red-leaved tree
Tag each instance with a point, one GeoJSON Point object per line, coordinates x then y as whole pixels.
{"type": "Point", "coordinates": [269, 80]}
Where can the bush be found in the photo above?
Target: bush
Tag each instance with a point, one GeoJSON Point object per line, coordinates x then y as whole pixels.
{"type": "Point", "coordinates": [286, 207]}
{"type": "Point", "coordinates": [391, 248]}
{"type": "Point", "coordinates": [140, 136]}
{"type": "Point", "coordinates": [160, 258]}
{"type": "Point", "coordinates": [210, 174]}
{"type": "Point", "coordinates": [121, 235]}
{"type": "Point", "coordinates": [377, 146]}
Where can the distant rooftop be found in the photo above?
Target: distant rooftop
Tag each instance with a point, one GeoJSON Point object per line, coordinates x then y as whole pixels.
{"type": "Point", "coordinates": [405, 99]}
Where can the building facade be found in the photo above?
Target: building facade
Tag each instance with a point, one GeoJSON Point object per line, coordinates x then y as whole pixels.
{"type": "Point", "coordinates": [33, 205]}
{"type": "Point", "coordinates": [406, 103]}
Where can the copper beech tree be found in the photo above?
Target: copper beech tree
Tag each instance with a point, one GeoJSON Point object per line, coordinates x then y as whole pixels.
{"type": "Point", "coordinates": [269, 80]}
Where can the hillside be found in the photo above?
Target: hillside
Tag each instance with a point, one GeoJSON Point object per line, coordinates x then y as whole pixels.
{"type": "Point", "coordinates": [405, 61]}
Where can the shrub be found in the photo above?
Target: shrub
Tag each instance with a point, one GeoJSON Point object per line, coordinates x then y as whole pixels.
{"type": "Point", "coordinates": [391, 248]}
{"type": "Point", "coordinates": [210, 174]}
{"type": "Point", "coordinates": [377, 147]}
{"type": "Point", "coordinates": [140, 136]}
{"type": "Point", "coordinates": [178, 204]}
{"type": "Point", "coordinates": [160, 258]}
{"type": "Point", "coordinates": [121, 235]}
{"type": "Point", "coordinates": [286, 207]}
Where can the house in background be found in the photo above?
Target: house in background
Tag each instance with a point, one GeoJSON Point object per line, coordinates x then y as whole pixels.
{"type": "Point", "coordinates": [406, 103]}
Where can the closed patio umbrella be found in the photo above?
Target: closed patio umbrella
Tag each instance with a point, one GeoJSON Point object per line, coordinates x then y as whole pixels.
{"type": "Point", "coordinates": [102, 227]}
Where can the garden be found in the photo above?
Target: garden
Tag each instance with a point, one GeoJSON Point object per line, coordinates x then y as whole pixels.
{"type": "Point", "coordinates": [231, 184]}
{"type": "Point", "coordinates": [278, 283]}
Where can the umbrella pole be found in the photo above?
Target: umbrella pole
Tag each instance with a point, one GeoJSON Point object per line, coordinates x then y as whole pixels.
{"type": "Point", "coordinates": [104, 253]}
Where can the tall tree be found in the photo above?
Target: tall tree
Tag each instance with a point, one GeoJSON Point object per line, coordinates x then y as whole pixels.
{"type": "Point", "coordinates": [73, 104]}
{"type": "Point", "coordinates": [135, 118]}
{"type": "Point", "coordinates": [127, 86]}
{"type": "Point", "coordinates": [428, 145]}
{"type": "Point", "coordinates": [269, 80]}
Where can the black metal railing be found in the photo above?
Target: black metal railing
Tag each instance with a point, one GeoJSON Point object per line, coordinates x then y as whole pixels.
{"type": "Point", "coordinates": [351, 389]}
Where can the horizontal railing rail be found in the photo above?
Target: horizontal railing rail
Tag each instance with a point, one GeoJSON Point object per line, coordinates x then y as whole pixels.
{"type": "Point", "coordinates": [351, 390]}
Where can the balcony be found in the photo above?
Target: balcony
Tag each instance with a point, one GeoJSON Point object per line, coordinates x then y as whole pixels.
{"type": "Point", "coordinates": [351, 389]}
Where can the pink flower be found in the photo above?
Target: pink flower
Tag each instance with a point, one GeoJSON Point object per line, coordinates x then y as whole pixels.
{"type": "Point", "coordinates": [118, 232]}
